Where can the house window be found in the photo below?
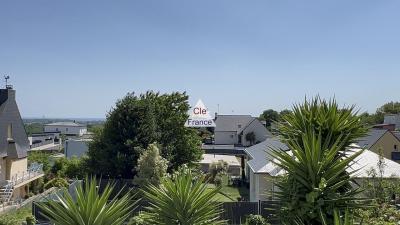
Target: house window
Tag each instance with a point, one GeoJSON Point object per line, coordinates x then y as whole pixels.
{"type": "Point", "coordinates": [231, 135]}
{"type": "Point", "coordinates": [395, 155]}
{"type": "Point", "coordinates": [9, 132]}
{"type": "Point", "coordinates": [66, 129]}
{"type": "Point", "coordinates": [395, 147]}
{"type": "Point", "coordinates": [239, 125]}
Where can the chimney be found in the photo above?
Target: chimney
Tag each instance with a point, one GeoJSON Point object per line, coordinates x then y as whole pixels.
{"type": "Point", "coordinates": [6, 94]}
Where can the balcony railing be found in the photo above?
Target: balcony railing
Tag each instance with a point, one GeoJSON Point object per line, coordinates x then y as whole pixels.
{"type": "Point", "coordinates": [33, 171]}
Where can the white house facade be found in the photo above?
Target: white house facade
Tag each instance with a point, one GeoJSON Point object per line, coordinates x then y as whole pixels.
{"type": "Point", "coordinates": [67, 128]}
{"type": "Point", "coordinates": [262, 171]}
{"type": "Point", "coordinates": [232, 130]}
{"type": "Point", "coordinates": [392, 119]}
{"type": "Point", "coordinates": [76, 147]}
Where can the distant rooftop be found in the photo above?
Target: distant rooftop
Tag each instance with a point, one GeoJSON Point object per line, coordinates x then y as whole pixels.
{"type": "Point", "coordinates": [261, 160]}
{"type": "Point", "coordinates": [235, 123]}
{"type": "Point", "coordinates": [211, 158]}
{"type": "Point", "coordinates": [371, 138]}
{"type": "Point", "coordinates": [66, 124]}
{"type": "Point", "coordinates": [397, 134]}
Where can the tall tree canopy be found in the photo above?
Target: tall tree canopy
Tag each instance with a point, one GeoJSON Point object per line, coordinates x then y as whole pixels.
{"type": "Point", "coordinates": [390, 107]}
{"type": "Point", "coordinates": [269, 116]}
{"type": "Point", "coordinates": [378, 117]}
{"type": "Point", "coordinates": [135, 123]}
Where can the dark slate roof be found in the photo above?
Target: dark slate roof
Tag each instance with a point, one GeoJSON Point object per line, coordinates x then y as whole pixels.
{"type": "Point", "coordinates": [9, 114]}
{"type": "Point", "coordinates": [397, 134]}
{"type": "Point", "coordinates": [260, 154]}
{"type": "Point", "coordinates": [372, 137]}
{"type": "Point", "coordinates": [232, 122]}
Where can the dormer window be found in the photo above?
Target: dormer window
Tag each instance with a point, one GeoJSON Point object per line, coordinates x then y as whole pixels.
{"type": "Point", "coordinates": [9, 131]}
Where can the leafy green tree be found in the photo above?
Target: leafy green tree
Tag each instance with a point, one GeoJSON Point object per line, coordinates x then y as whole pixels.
{"type": "Point", "coordinates": [372, 119]}
{"type": "Point", "coordinates": [135, 123]}
{"type": "Point", "coordinates": [318, 133]}
{"type": "Point", "coordinates": [283, 113]}
{"type": "Point", "coordinates": [31, 128]}
{"type": "Point", "coordinates": [183, 200]}
{"type": "Point", "coordinates": [41, 158]}
{"type": "Point", "coordinates": [269, 116]}
{"type": "Point", "coordinates": [378, 116]}
{"type": "Point", "coordinates": [151, 167]}
{"type": "Point", "coordinates": [390, 107]}
{"type": "Point", "coordinates": [70, 168]}
{"type": "Point", "coordinates": [89, 207]}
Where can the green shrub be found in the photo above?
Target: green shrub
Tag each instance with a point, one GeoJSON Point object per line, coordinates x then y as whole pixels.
{"type": "Point", "coordinates": [90, 206]}
{"type": "Point", "coordinates": [182, 201]}
{"type": "Point", "coordinates": [16, 217]}
{"type": "Point", "coordinates": [218, 180]}
{"type": "Point", "coordinates": [138, 220]}
{"type": "Point", "coordinates": [56, 182]}
{"type": "Point", "coordinates": [217, 169]}
{"type": "Point", "coordinates": [30, 220]}
{"type": "Point", "coordinates": [318, 133]}
{"type": "Point", "coordinates": [256, 220]}
{"type": "Point", "coordinates": [71, 168]}
{"type": "Point", "coordinates": [383, 214]}
{"type": "Point", "coordinates": [42, 158]}
{"type": "Point", "coordinates": [38, 187]}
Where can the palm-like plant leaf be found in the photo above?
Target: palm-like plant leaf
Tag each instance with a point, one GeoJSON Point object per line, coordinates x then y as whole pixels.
{"type": "Point", "coordinates": [89, 207]}
{"type": "Point", "coordinates": [182, 201]}
{"type": "Point", "coordinates": [318, 135]}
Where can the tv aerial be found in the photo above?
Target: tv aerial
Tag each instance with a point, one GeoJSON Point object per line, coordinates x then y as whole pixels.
{"type": "Point", "coordinates": [6, 77]}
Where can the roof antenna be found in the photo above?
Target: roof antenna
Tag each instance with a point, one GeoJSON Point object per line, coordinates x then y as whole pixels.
{"type": "Point", "coordinates": [6, 77]}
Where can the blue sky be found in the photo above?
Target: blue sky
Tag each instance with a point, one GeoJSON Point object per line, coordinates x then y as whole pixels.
{"type": "Point", "coordinates": [76, 58]}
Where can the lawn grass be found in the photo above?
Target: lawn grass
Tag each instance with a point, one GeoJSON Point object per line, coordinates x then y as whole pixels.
{"type": "Point", "coordinates": [16, 217]}
{"type": "Point", "coordinates": [230, 193]}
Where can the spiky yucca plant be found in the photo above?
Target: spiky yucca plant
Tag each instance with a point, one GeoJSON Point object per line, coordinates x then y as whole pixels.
{"type": "Point", "coordinates": [345, 218]}
{"type": "Point", "coordinates": [325, 118]}
{"type": "Point", "coordinates": [318, 133]}
{"type": "Point", "coordinates": [89, 207]}
{"type": "Point", "coordinates": [182, 200]}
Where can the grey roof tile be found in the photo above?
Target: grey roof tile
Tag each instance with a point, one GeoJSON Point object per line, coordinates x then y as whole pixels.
{"type": "Point", "coordinates": [232, 122]}
{"type": "Point", "coordinates": [372, 137]}
{"type": "Point", "coordinates": [259, 153]}
{"type": "Point", "coordinates": [9, 115]}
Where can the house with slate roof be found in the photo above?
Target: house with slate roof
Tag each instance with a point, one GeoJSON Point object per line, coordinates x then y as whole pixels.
{"type": "Point", "coordinates": [383, 139]}
{"type": "Point", "coordinates": [262, 170]}
{"type": "Point", "coordinates": [14, 145]}
{"type": "Point", "coordinates": [232, 130]}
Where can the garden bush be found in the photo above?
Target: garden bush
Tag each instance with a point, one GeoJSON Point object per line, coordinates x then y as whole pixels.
{"type": "Point", "coordinates": [256, 220]}
{"type": "Point", "coordinates": [138, 220]}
